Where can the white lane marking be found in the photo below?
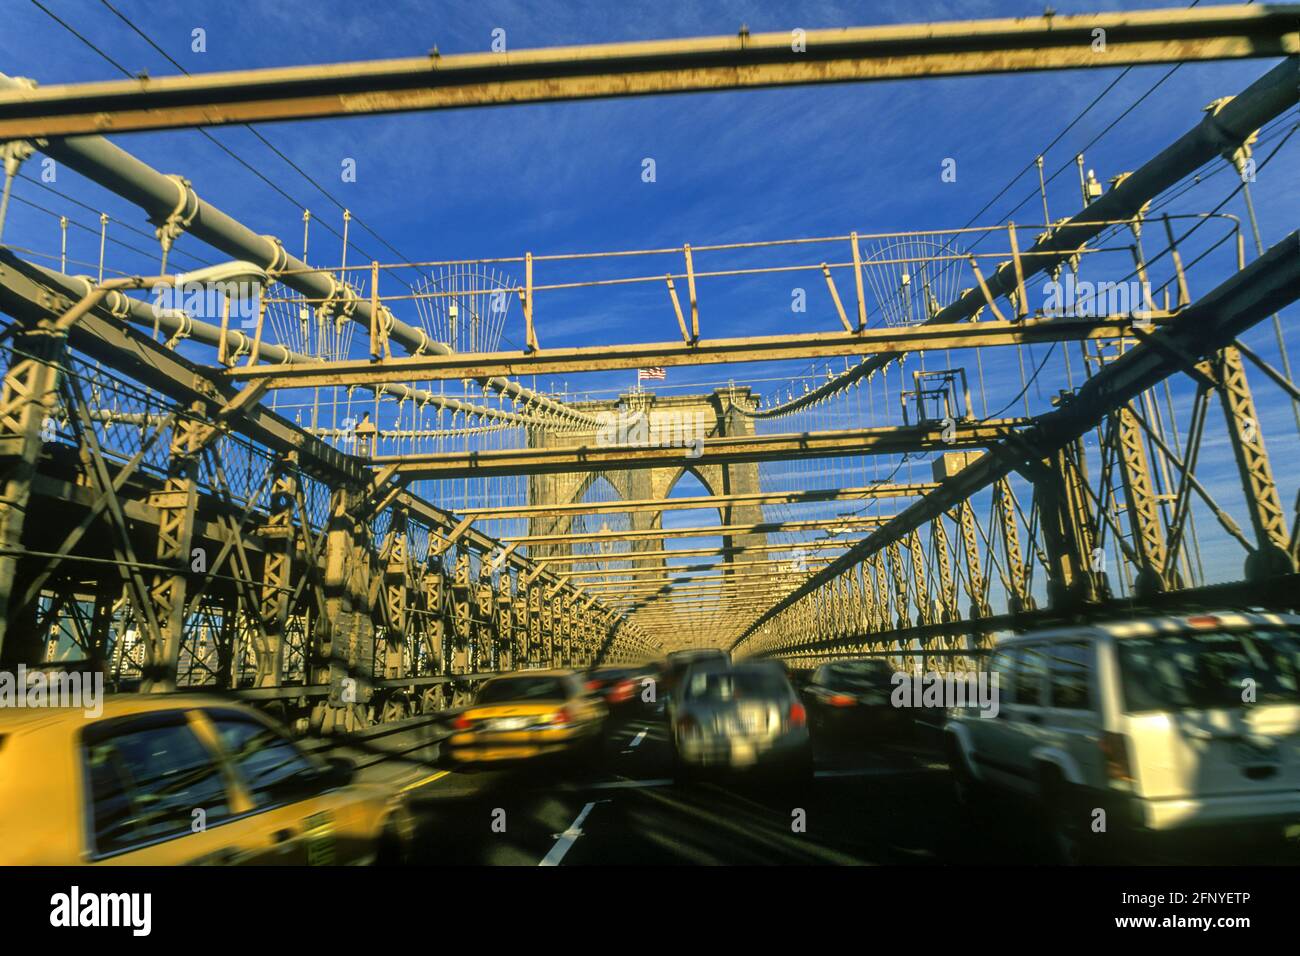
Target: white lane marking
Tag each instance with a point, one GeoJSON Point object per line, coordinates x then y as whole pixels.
{"type": "Point", "coordinates": [637, 739]}
{"type": "Point", "coordinates": [567, 839]}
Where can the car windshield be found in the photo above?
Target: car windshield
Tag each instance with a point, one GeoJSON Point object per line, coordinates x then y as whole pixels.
{"type": "Point", "coordinates": [1211, 670]}
{"type": "Point", "coordinates": [726, 685]}
{"type": "Point", "coordinates": [523, 688]}
{"type": "Point", "coordinates": [859, 675]}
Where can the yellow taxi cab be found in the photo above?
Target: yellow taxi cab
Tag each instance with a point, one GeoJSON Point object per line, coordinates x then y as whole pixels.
{"type": "Point", "coordinates": [182, 780]}
{"type": "Point", "coordinates": [534, 713]}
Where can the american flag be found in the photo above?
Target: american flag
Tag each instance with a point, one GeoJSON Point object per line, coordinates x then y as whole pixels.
{"type": "Point", "coordinates": [654, 374]}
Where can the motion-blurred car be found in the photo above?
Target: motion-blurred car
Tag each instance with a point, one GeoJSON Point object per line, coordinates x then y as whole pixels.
{"type": "Point", "coordinates": [738, 717]}
{"type": "Point", "coordinates": [1167, 723]}
{"type": "Point", "coordinates": [624, 688]}
{"type": "Point", "coordinates": [181, 780]}
{"type": "Point", "coordinates": [678, 662]}
{"type": "Point", "coordinates": [854, 696]}
{"type": "Point", "coordinates": [533, 714]}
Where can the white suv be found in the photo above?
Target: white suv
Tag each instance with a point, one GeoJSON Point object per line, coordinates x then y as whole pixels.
{"type": "Point", "coordinates": [1163, 723]}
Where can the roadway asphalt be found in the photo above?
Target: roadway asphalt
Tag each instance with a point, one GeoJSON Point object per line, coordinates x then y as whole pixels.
{"type": "Point", "coordinates": [869, 803]}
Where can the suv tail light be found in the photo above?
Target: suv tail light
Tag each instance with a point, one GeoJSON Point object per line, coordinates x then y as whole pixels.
{"type": "Point", "coordinates": [594, 685]}
{"type": "Point", "coordinates": [1114, 748]}
{"type": "Point", "coordinates": [840, 700]}
{"type": "Point", "coordinates": [798, 716]}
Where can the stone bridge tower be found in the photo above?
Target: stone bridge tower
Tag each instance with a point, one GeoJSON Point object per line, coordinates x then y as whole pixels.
{"type": "Point", "coordinates": [656, 419]}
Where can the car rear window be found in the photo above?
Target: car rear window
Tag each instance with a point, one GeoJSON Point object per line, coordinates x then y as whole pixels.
{"type": "Point", "coordinates": [723, 685]}
{"type": "Point", "coordinates": [523, 688]}
{"type": "Point", "coordinates": [1209, 670]}
{"type": "Point", "coordinates": [859, 675]}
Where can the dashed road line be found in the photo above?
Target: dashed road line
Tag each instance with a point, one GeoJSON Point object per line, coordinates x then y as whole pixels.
{"type": "Point", "coordinates": [566, 839]}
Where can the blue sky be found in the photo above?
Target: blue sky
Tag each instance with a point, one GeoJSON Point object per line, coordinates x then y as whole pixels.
{"type": "Point", "coordinates": [766, 164]}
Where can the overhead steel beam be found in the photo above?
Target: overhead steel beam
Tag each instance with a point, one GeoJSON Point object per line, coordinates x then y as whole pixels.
{"type": "Point", "coordinates": [725, 530]}
{"type": "Point", "coordinates": [822, 544]}
{"type": "Point", "coordinates": [883, 440]}
{"type": "Point", "coordinates": [164, 197]}
{"type": "Point", "coordinates": [632, 574]}
{"type": "Point", "coordinates": [728, 576]}
{"type": "Point", "coordinates": [1212, 323]}
{"type": "Point", "coordinates": [666, 66]}
{"type": "Point", "coordinates": [770, 348]}
{"type": "Point", "coordinates": [812, 496]}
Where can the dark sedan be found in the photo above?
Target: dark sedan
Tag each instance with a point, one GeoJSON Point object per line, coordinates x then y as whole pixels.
{"type": "Point", "coordinates": [854, 696]}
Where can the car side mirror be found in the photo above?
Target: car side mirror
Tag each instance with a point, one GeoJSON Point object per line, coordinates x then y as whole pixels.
{"type": "Point", "coordinates": [340, 771]}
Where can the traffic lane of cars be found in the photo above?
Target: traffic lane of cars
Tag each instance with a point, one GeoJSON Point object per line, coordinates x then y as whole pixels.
{"type": "Point", "coordinates": [877, 803]}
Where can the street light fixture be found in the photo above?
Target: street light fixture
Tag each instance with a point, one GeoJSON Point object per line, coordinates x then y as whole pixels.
{"type": "Point", "coordinates": [234, 271]}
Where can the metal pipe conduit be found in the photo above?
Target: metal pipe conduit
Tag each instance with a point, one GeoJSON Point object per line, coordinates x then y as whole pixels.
{"type": "Point", "coordinates": [179, 323]}
{"type": "Point", "coordinates": [160, 196]}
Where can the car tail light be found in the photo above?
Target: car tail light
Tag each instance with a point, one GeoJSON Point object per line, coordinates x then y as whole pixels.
{"type": "Point", "coordinates": [798, 716]}
{"type": "Point", "coordinates": [594, 685]}
{"type": "Point", "coordinates": [622, 691]}
{"type": "Point", "coordinates": [1114, 748]}
{"type": "Point", "coordinates": [841, 700]}
{"type": "Point", "coordinates": [562, 716]}
{"type": "Point", "coordinates": [462, 722]}
{"type": "Point", "coordinates": [1203, 621]}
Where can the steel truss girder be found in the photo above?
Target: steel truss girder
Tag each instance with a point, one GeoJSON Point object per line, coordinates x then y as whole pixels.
{"type": "Point", "coordinates": [729, 530]}
{"type": "Point", "coordinates": [640, 68]}
{"type": "Point", "coordinates": [811, 496]}
{"type": "Point", "coordinates": [774, 348]}
{"type": "Point", "coordinates": [1208, 326]}
{"type": "Point", "coordinates": [727, 450]}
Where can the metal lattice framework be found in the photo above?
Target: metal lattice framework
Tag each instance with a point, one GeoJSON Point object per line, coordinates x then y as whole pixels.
{"type": "Point", "coordinates": [294, 507]}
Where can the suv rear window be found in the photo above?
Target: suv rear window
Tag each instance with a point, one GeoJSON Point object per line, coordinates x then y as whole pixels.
{"type": "Point", "coordinates": [724, 685]}
{"type": "Point", "coordinates": [1210, 670]}
{"type": "Point", "coordinates": [858, 675]}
